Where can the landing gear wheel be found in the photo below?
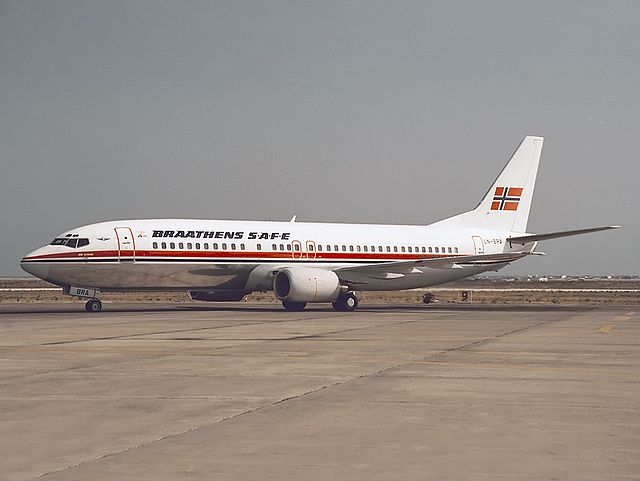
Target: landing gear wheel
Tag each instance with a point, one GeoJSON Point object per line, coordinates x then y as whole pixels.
{"type": "Point", "coordinates": [347, 302]}
{"type": "Point", "coordinates": [94, 305]}
{"type": "Point", "coordinates": [294, 306]}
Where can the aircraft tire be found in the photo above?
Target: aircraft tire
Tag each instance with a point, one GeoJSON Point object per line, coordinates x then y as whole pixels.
{"type": "Point", "coordinates": [93, 305]}
{"type": "Point", "coordinates": [294, 306]}
{"type": "Point", "coordinates": [346, 303]}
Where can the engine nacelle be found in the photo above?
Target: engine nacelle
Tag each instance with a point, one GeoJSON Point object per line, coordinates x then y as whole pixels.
{"type": "Point", "coordinates": [305, 284]}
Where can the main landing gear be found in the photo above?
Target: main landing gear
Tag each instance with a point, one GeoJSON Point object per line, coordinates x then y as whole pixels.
{"type": "Point", "coordinates": [346, 302]}
{"type": "Point", "coordinates": [93, 305]}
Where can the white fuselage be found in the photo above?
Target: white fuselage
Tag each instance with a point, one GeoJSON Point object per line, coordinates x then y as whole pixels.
{"type": "Point", "coordinates": [180, 254]}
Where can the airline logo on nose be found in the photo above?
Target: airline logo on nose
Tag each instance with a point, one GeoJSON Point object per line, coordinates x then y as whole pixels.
{"type": "Point", "coordinates": [506, 198]}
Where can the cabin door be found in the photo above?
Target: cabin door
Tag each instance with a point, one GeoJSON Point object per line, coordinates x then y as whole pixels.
{"type": "Point", "coordinates": [477, 244]}
{"type": "Point", "coordinates": [126, 244]}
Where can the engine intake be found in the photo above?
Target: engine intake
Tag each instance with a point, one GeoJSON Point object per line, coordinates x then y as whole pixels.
{"type": "Point", "coordinates": [304, 284]}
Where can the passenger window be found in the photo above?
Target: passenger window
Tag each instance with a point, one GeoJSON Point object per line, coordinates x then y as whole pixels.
{"type": "Point", "coordinates": [189, 245]}
{"type": "Point", "coordinates": [224, 246]}
{"type": "Point", "coordinates": [242, 247]}
{"type": "Point", "coordinates": [373, 248]}
{"type": "Point", "coordinates": [424, 249]}
{"type": "Point", "coordinates": [274, 247]}
{"type": "Point", "coordinates": [395, 248]}
{"type": "Point", "coordinates": [172, 245]}
{"type": "Point", "coordinates": [259, 247]}
{"type": "Point", "coordinates": [358, 248]}
{"type": "Point", "coordinates": [319, 247]}
{"type": "Point", "coordinates": [449, 250]}
{"type": "Point", "coordinates": [233, 246]}
{"type": "Point", "coordinates": [443, 251]}
{"type": "Point", "coordinates": [430, 249]}
{"type": "Point", "coordinates": [281, 247]}
{"type": "Point", "coordinates": [296, 247]}
{"type": "Point", "coordinates": [310, 247]}
{"type": "Point", "coordinates": [366, 248]}
{"type": "Point", "coordinates": [410, 249]}
{"type": "Point", "coordinates": [197, 245]}
{"type": "Point", "coordinates": [181, 245]}
{"type": "Point", "coordinates": [155, 245]}
{"type": "Point", "coordinates": [351, 248]}
{"type": "Point", "coordinates": [437, 250]}
{"type": "Point", "coordinates": [388, 249]}
{"type": "Point", "coordinates": [206, 246]}
{"type": "Point", "coordinates": [164, 245]}
{"type": "Point", "coordinates": [328, 248]}
{"type": "Point", "coordinates": [335, 248]}
{"type": "Point", "coordinates": [455, 249]}
{"type": "Point", "coordinates": [289, 247]}
{"type": "Point", "coordinates": [344, 248]}
{"type": "Point", "coordinates": [215, 246]}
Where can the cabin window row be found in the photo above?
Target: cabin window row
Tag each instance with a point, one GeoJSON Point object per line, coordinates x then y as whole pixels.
{"type": "Point", "coordinates": [296, 247]}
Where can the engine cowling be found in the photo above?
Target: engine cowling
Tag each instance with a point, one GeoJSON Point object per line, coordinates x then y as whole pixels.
{"type": "Point", "coordinates": [305, 284]}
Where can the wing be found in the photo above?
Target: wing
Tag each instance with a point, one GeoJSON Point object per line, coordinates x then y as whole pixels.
{"type": "Point", "coordinates": [395, 270]}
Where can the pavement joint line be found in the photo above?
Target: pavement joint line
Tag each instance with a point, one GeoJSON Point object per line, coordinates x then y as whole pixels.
{"type": "Point", "coordinates": [195, 329]}
{"type": "Point", "coordinates": [3, 382]}
{"type": "Point", "coordinates": [296, 397]}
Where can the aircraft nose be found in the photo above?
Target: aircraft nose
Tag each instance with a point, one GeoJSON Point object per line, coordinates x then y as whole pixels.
{"type": "Point", "coordinates": [34, 268]}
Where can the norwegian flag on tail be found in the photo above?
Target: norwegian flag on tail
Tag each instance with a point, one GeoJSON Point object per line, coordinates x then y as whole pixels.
{"type": "Point", "coordinates": [506, 198]}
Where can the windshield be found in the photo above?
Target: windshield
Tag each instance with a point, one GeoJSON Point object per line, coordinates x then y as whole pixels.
{"type": "Point", "coordinates": [72, 242]}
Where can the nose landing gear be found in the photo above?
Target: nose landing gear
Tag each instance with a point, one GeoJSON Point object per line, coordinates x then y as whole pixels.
{"type": "Point", "coordinates": [93, 305]}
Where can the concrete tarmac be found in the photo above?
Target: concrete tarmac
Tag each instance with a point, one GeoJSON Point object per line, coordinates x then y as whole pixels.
{"type": "Point", "coordinates": [250, 392]}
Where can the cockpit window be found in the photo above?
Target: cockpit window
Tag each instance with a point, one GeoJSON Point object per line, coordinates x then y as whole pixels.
{"type": "Point", "coordinates": [70, 242]}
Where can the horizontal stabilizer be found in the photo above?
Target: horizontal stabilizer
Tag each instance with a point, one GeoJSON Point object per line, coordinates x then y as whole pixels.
{"type": "Point", "coordinates": [525, 239]}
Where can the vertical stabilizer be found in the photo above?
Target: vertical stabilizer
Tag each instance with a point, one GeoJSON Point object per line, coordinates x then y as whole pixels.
{"type": "Point", "coordinates": [507, 203]}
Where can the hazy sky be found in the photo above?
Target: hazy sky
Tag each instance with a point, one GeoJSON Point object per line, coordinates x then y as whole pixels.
{"type": "Point", "coordinates": [385, 112]}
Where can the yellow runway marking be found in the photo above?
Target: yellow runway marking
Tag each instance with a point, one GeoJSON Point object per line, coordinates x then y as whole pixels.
{"type": "Point", "coordinates": [606, 329]}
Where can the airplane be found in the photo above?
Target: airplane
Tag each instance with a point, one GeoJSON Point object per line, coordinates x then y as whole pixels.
{"type": "Point", "coordinates": [301, 262]}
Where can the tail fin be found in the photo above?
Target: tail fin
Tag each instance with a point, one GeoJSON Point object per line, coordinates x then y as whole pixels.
{"type": "Point", "coordinates": [506, 204]}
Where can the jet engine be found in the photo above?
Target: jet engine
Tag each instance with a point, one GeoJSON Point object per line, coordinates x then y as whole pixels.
{"type": "Point", "coordinates": [304, 284]}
